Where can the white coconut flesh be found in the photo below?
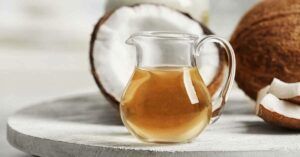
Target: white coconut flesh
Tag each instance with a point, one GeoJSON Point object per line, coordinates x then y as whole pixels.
{"type": "Point", "coordinates": [270, 98]}
{"type": "Point", "coordinates": [114, 61]}
{"type": "Point", "coordinates": [284, 90]}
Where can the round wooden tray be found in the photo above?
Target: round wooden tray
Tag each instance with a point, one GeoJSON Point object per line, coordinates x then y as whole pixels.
{"type": "Point", "coordinates": [88, 126]}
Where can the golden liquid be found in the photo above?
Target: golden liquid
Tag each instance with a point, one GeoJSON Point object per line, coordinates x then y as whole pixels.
{"type": "Point", "coordinates": [166, 104]}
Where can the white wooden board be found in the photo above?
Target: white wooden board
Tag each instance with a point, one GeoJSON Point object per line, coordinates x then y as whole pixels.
{"type": "Point", "coordinates": [87, 126]}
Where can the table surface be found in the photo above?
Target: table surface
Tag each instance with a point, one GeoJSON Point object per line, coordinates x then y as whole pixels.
{"type": "Point", "coordinates": [86, 125]}
{"type": "Point", "coordinates": [43, 51]}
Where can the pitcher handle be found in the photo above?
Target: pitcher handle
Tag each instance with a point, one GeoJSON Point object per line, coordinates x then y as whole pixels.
{"type": "Point", "coordinates": [218, 105]}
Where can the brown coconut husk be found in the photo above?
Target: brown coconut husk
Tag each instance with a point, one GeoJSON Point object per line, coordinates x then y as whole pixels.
{"type": "Point", "coordinates": [267, 45]}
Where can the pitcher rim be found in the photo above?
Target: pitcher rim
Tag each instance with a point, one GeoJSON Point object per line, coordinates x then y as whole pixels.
{"type": "Point", "coordinates": [165, 35]}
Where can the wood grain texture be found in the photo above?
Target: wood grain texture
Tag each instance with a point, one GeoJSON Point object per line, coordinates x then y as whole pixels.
{"type": "Point", "coordinates": [87, 126]}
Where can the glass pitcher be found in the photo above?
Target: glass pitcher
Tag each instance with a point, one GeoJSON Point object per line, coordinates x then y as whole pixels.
{"type": "Point", "coordinates": [166, 100]}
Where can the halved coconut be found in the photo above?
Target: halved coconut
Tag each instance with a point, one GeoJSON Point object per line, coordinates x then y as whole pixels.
{"type": "Point", "coordinates": [279, 112]}
{"type": "Point", "coordinates": [112, 61]}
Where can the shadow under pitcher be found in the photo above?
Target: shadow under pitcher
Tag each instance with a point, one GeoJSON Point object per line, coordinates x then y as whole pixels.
{"type": "Point", "coordinates": [166, 100]}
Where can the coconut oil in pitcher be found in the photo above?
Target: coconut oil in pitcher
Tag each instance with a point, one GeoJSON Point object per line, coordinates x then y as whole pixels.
{"type": "Point", "coordinates": [166, 104]}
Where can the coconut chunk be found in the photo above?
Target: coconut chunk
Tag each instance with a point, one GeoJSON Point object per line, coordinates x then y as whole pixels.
{"type": "Point", "coordinates": [284, 90]}
{"type": "Point", "coordinates": [279, 112]}
{"type": "Point", "coordinates": [282, 107]}
{"type": "Point", "coordinates": [277, 119]}
{"type": "Point", "coordinates": [112, 61]}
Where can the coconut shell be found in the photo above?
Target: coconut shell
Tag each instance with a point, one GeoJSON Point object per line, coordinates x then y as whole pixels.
{"type": "Point", "coordinates": [267, 45]}
{"type": "Point", "coordinates": [295, 100]}
{"type": "Point", "coordinates": [212, 87]}
{"type": "Point", "coordinates": [278, 119]}
{"type": "Point", "coordinates": [108, 97]}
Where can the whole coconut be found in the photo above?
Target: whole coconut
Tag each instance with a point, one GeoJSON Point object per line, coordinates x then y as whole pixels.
{"type": "Point", "coordinates": [267, 45]}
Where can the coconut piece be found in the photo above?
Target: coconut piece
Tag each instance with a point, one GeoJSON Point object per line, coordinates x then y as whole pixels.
{"type": "Point", "coordinates": [284, 90]}
{"type": "Point", "coordinates": [287, 91]}
{"type": "Point", "coordinates": [279, 112]}
{"type": "Point", "coordinates": [112, 61]}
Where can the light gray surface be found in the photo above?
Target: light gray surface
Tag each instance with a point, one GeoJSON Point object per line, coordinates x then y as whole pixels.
{"type": "Point", "coordinates": [44, 45]}
{"type": "Point", "coordinates": [87, 126]}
